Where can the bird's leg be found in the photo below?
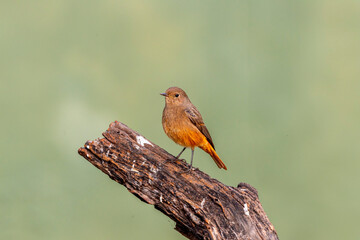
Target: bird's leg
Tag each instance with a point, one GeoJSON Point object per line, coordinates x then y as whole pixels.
{"type": "Point", "coordinates": [192, 158]}
{"type": "Point", "coordinates": [177, 157]}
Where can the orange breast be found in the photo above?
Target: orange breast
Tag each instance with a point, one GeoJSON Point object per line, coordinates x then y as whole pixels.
{"type": "Point", "coordinates": [186, 137]}
{"type": "Point", "coordinates": [182, 131]}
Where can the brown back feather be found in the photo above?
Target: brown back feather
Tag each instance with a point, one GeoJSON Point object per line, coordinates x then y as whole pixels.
{"type": "Point", "coordinates": [195, 117]}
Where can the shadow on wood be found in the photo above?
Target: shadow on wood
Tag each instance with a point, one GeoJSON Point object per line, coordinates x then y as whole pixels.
{"type": "Point", "coordinates": [202, 207]}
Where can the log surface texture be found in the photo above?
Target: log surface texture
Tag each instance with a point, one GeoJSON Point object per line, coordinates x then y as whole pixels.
{"type": "Point", "coordinates": [202, 207]}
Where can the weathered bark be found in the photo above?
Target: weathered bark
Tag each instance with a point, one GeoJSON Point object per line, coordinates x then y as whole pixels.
{"type": "Point", "coordinates": [202, 207]}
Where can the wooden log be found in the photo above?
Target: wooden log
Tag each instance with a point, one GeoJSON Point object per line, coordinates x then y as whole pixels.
{"type": "Point", "coordinates": [202, 207]}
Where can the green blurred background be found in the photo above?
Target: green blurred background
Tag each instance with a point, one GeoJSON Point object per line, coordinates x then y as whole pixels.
{"type": "Point", "coordinates": [277, 82]}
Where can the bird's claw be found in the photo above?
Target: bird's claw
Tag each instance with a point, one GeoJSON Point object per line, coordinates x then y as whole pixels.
{"type": "Point", "coordinates": [187, 170]}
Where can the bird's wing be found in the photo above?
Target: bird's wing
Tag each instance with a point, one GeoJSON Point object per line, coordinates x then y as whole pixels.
{"type": "Point", "coordinates": [195, 117]}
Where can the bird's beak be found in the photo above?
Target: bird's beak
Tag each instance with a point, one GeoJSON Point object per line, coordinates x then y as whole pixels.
{"type": "Point", "coordinates": [163, 94]}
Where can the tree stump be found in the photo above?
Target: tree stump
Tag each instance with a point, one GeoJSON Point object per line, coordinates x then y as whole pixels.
{"type": "Point", "coordinates": [202, 207]}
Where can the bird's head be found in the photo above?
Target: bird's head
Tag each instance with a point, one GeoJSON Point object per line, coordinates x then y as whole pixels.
{"type": "Point", "coordinates": [175, 96]}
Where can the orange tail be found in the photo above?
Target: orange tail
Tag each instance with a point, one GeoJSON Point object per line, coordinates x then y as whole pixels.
{"type": "Point", "coordinates": [210, 150]}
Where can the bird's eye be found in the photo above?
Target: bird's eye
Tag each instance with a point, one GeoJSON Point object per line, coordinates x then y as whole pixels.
{"type": "Point", "coordinates": [177, 95]}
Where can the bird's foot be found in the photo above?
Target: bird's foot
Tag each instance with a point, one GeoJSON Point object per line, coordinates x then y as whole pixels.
{"type": "Point", "coordinates": [187, 170]}
{"type": "Point", "coordinates": [168, 160]}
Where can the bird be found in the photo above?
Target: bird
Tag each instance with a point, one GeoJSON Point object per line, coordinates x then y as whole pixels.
{"type": "Point", "coordinates": [183, 123]}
